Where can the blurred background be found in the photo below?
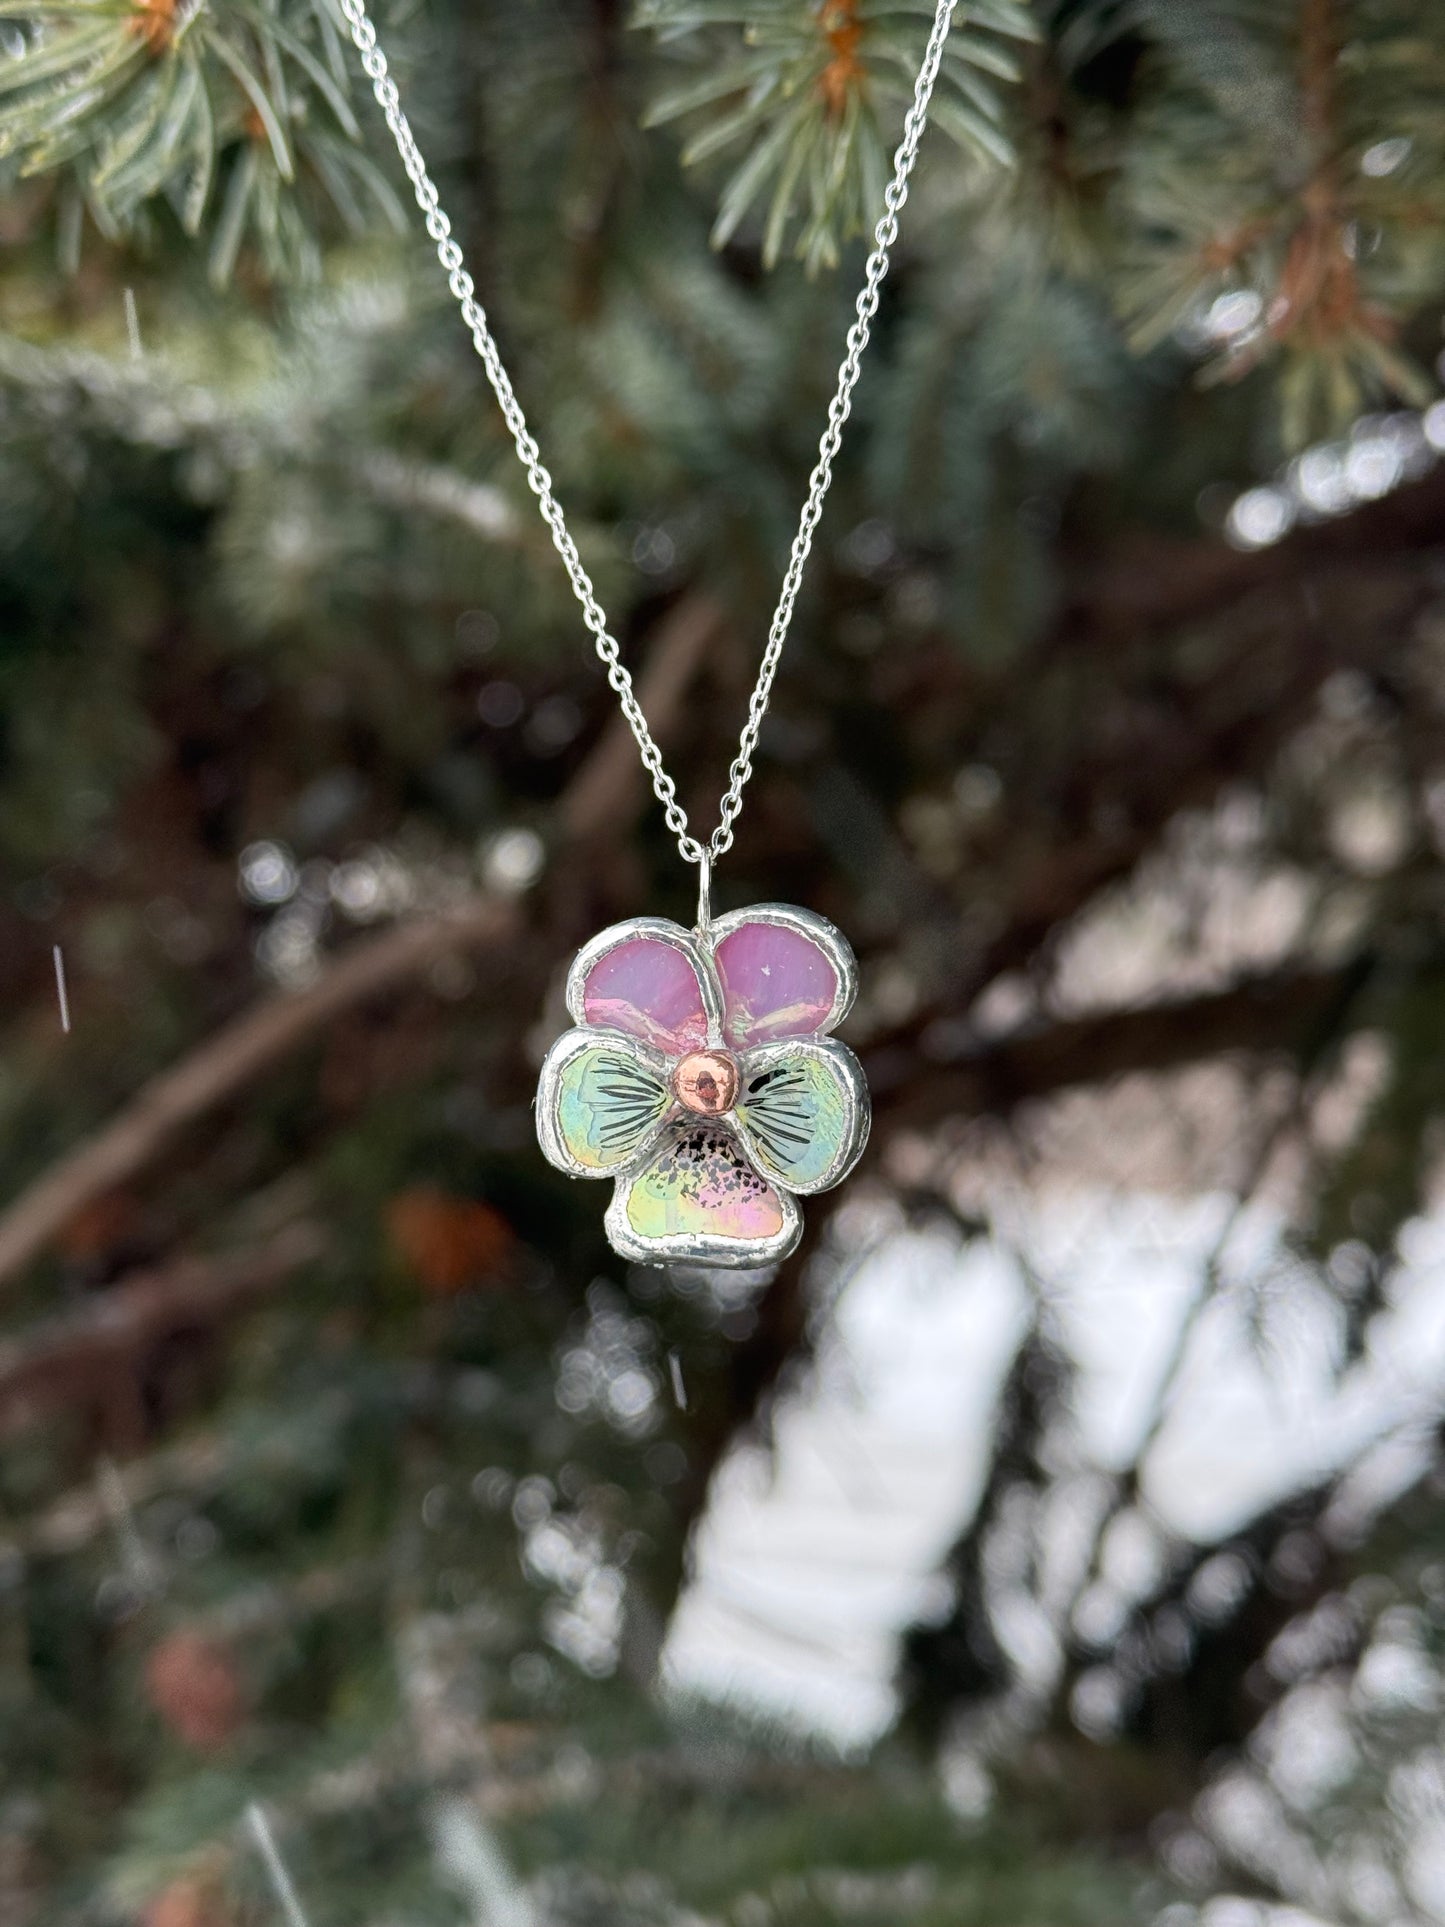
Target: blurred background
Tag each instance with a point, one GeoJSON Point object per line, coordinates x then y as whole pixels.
{"type": "Point", "coordinates": [1057, 1538]}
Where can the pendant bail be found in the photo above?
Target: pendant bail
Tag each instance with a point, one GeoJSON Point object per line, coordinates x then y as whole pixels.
{"type": "Point", "coordinates": [704, 892]}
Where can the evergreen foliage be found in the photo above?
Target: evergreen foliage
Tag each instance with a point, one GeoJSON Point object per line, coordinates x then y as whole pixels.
{"type": "Point", "coordinates": [339, 1465]}
{"type": "Point", "coordinates": [234, 117]}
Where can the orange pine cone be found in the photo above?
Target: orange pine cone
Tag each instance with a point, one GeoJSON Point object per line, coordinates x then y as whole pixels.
{"type": "Point", "coordinates": [99, 1226]}
{"type": "Point", "coordinates": [192, 1683]}
{"type": "Point", "coordinates": [445, 1241]}
{"type": "Point", "coordinates": [191, 1901]}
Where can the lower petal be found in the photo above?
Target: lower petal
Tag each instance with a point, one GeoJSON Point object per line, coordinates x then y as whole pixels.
{"type": "Point", "coordinates": [699, 1199]}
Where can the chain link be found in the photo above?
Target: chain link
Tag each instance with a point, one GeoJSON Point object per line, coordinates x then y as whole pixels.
{"type": "Point", "coordinates": [373, 60]}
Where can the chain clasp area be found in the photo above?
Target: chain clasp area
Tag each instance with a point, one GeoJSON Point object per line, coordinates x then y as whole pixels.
{"type": "Point", "coordinates": [704, 892]}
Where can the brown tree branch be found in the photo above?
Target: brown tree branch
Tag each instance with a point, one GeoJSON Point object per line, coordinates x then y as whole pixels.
{"type": "Point", "coordinates": [1146, 584]}
{"type": "Point", "coordinates": [1277, 1014]}
{"type": "Point", "coordinates": [193, 1466]}
{"type": "Point", "coordinates": [610, 783]}
{"type": "Point", "coordinates": [69, 1358]}
{"type": "Point", "coordinates": [603, 795]}
{"type": "Point", "coordinates": [229, 1060]}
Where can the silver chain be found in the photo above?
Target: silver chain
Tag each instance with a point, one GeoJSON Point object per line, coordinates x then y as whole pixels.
{"type": "Point", "coordinates": [464, 290]}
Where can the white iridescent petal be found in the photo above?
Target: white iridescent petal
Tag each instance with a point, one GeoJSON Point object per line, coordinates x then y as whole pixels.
{"type": "Point", "coordinates": [698, 1200]}
{"type": "Point", "coordinates": [802, 1111]}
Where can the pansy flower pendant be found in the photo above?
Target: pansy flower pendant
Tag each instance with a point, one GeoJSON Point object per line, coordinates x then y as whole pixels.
{"type": "Point", "coordinates": [700, 1078]}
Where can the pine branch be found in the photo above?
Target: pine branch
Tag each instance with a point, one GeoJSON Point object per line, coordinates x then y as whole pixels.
{"type": "Point", "coordinates": [1270, 1017]}
{"type": "Point", "coordinates": [607, 789]}
{"type": "Point", "coordinates": [80, 1359]}
{"type": "Point", "coordinates": [1286, 193]}
{"type": "Point", "coordinates": [233, 1058]}
{"type": "Point", "coordinates": [73, 1521]}
{"type": "Point", "coordinates": [236, 118]}
{"type": "Point", "coordinates": [815, 97]}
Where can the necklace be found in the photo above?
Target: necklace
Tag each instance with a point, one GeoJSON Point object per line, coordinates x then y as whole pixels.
{"type": "Point", "coordinates": [700, 1075]}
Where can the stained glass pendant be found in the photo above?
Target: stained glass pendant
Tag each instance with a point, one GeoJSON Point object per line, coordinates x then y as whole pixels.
{"type": "Point", "coordinates": [702, 1080]}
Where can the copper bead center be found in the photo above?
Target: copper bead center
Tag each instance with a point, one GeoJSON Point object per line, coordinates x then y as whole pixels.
{"type": "Point", "coordinates": [706, 1081]}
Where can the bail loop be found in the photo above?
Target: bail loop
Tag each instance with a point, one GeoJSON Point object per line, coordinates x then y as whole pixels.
{"type": "Point", "coordinates": [704, 892]}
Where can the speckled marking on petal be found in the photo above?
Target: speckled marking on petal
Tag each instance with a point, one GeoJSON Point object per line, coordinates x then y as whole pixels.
{"type": "Point", "coordinates": [701, 1182]}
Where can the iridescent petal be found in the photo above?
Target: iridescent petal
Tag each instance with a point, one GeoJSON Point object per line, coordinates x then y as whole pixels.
{"type": "Point", "coordinates": [802, 1111]}
{"type": "Point", "coordinates": [646, 979]}
{"type": "Point", "coordinates": [699, 1199]}
{"type": "Point", "coordinates": [783, 973]}
{"type": "Point", "coordinates": [599, 1100]}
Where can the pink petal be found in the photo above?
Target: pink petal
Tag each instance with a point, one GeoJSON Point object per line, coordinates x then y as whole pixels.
{"type": "Point", "coordinates": [776, 983]}
{"type": "Point", "coordinates": [649, 989]}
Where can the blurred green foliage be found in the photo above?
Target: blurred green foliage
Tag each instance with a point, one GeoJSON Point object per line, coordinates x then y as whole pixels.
{"type": "Point", "coordinates": [273, 593]}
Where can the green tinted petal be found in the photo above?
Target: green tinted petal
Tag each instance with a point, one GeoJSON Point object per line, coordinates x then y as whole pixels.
{"type": "Point", "coordinates": [598, 1102]}
{"type": "Point", "coordinates": [803, 1111]}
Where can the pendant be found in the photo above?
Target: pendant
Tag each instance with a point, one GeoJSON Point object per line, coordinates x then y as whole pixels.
{"type": "Point", "coordinates": [702, 1080]}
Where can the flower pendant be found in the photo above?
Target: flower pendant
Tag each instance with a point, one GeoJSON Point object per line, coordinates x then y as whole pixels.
{"type": "Point", "coordinates": [701, 1079]}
